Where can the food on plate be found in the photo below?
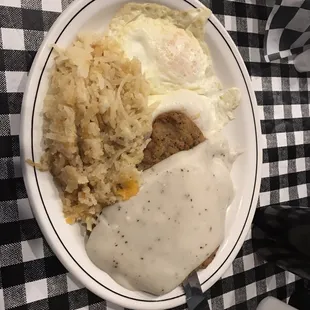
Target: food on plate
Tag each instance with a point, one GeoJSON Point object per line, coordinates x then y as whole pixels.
{"type": "Point", "coordinates": [170, 45]}
{"type": "Point", "coordinates": [152, 241]}
{"type": "Point", "coordinates": [132, 136]}
{"type": "Point", "coordinates": [96, 125]}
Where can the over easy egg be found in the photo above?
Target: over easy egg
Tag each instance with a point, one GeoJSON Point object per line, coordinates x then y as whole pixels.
{"type": "Point", "coordinates": [171, 57]}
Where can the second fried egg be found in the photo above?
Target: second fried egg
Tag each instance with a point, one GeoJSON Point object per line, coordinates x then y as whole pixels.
{"type": "Point", "coordinates": [210, 113]}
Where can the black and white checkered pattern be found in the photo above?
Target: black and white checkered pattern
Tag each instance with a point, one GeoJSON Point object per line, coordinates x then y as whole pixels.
{"type": "Point", "coordinates": [280, 235]}
{"type": "Point", "coordinates": [31, 277]}
{"type": "Point", "coordinates": [288, 29]}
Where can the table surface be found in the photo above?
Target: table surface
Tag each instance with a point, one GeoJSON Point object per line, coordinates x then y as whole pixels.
{"type": "Point", "coordinates": [31, 277]}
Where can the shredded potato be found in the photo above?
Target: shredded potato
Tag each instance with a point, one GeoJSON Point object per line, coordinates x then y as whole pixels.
{"type": "Point", "coordinates": [96, 125]}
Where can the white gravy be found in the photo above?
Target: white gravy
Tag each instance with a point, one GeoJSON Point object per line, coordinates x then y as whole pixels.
{"type": "Point", "coordinates": [152, 241]}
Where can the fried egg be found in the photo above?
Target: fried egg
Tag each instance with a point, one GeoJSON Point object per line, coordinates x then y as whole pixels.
{"type": "Point", "coordinates": [210, 113]}
{"type": "Point", "coordinates": [171, 56]}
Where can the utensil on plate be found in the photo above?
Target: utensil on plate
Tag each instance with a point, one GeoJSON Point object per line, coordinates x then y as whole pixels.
{"type": "Point", "coordinates": [194, 296]}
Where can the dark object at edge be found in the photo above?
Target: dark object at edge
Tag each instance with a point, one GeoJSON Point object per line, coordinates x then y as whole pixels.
{"type": "Point", "coordinates": [281, 235]}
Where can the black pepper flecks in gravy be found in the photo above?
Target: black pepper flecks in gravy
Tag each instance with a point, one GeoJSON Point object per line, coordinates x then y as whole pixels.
{"type": "Point", "coordinates": [154, 240]}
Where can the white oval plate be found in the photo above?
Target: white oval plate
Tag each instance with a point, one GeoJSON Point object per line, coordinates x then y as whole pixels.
{"type": "Point", "coordinates": [65, 240]}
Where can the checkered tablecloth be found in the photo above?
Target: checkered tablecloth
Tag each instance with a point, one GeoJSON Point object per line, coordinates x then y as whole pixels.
{"type": "Point", "coordinates": [31, 277]}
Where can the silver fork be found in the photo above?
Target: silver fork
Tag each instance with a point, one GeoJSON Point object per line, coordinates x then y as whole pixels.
{"type": "Point", "coordinates": [194, 296]}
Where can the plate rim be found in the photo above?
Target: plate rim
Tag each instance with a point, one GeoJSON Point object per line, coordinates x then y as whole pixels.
{"type": "Point", "coordinates": [77, 7]}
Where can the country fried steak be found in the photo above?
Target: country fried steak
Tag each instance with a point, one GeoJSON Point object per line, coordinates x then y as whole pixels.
{"type": "Point", "coordinates": [172, 132]}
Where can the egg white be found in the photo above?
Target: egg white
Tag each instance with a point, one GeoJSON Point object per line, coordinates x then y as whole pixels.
{"type": "Point", "coordinates": [171, 57]}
